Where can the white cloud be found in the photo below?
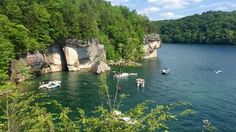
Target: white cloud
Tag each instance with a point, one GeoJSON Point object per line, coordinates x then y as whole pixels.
{"type": "Point", "coordinates": [169, 15]}
{"type": "Point", "coordinates": [174, 4]}
{"type": "Point", "coordinates": [118, 2]}
{"type": "Point", "coordinates": [148, 11]}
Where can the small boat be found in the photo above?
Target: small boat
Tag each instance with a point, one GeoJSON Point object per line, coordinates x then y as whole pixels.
{"type": "Point", "coordinates": [217, 71]}
{"type": "Point", "coordinates": [133, 74]}
{"type": "Point", "coordinates": [140, 82]}
{"type": "Point", "coordinates": [165, 71]}
{"type": "Point", "coordinates": [50, 84]}
{"type": "Point", "coordinates": [121, 75]}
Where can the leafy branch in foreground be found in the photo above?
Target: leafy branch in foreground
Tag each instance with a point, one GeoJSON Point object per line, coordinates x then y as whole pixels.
{"type": "Point", "coordinates": [25, 112]}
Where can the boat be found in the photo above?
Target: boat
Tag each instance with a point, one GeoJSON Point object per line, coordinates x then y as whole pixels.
{"type": "Point", "coordinates": [126, 119]}
{"type": "Point", "coordinates": [121, 75]}
{"type": "Point", "coordinates": [217, 71]}
{"type": "Point", "coordinates": [50, 84]}
{"type": "Point", "coordinates": [140, 82]}
{"type": "Point", "coordinates": [165, 71]}
{"type": "Point", "coordinates": [133, 74]}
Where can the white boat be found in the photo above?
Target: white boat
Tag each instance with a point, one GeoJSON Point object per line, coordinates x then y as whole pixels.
{"type": "Point", "coordinates": [133, 74]}
{"type": "Point", "coordinates": [121, 75]}
{"type": "Point", "coordinates": [50, 84]}
{"type": "Point", "coordinates": [126, 119]}
{"type": "Point", "coordinates": [217, 71]}
{"type": "Point", "coordinates": [165, 71]}
{"type": "Point", "coordinates": [140, 82]}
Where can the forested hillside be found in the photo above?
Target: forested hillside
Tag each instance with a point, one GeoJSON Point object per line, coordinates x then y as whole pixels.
{"type": "Point", "coordinates": [30, 25]}
{"type": "Point", "coordinates": [212, 27]}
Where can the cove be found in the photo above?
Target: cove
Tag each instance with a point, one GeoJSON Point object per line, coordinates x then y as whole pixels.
{"type": "Point", "coordinates": [192, 79]}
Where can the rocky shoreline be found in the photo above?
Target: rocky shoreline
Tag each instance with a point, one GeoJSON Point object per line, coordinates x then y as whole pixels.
{"type": "Point", "coordinates": [74, 54]}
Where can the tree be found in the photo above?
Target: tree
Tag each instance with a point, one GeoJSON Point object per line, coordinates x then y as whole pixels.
{"type": "Point", "coordinates": [212, 27]}
{"type": "Point", "coordinates": [6, 56]}
{"type": "Point", "coordinates": [27, 112]}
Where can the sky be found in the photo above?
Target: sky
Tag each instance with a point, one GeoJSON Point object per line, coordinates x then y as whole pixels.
{"type": "Point", "coordinates": [174, 9]}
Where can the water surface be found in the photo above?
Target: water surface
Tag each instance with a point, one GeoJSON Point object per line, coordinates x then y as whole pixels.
{"type": "Point", "coordinates": [192, 79]}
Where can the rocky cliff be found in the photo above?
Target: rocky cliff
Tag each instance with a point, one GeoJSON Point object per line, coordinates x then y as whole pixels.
{"type": "Point", "coordinates": [54, 60]}
{"type": "Point", "coordinates": [82, 55]}
{"type": "Point", "coordinates": [73, 55]}
{"type": "Point", "coordinates": [151, 43]}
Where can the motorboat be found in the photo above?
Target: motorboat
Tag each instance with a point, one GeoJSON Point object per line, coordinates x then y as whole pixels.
{"type": "Point", "coordinates": [217, 71]}
{"type": "Point", "coordinates": [133, 74]}
{"type": "Point", "coordinates": [50, 84]}
{"type": "Point", "coordinates": [140, 82]}
{"type": "Point", "coordinates": [165, 71]}
{"type": "Point", "coordinates": [121, 75]}
{"type": "Point", "coordinates": [126, 119]}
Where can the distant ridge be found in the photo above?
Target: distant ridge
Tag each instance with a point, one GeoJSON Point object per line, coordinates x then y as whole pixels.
{"type": "Point", "coordinates": [211, 27]}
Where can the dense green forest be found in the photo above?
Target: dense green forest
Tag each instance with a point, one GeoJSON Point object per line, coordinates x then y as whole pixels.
{"type": "Point", "coordinates": [30, 25]}
{"type": "Point", "coordinates": [212, 27]}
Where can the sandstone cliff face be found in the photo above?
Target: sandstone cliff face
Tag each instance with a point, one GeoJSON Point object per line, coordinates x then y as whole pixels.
{"type": "Point", "coordinates": [74, 55]}
{"type": "Point", "coordinates": [100, 67]}
{"type": "Point", "coordinates": [22, 68]}
{"type": "Point", "coordinates": [84, 55]}
{"type": "Point", "coordinates": [18, 67]}
{"type": "Point", "coordinates": [36, 61]}
{"type": "Point", "coordinates": [151, 43]}
{"type": "Point", "coordinates": [72, 58]}
{"type": "Point", "coordinates": [54, 60]}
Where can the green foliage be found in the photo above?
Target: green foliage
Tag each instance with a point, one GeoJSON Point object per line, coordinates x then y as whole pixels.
{"type": "Point", "coordinates": [28, 112]}
{"type": "Point", "coordinates": [44, 22]}
{"type": "Point", "coordinates": [134, 48]}
{"type": "Point", "coordinates": [212, 27]}
{"type": "Point", "coordinates": [17, 35]}
{"type": "Point", "coordinates": [24, 112]}
{"type": "Point", "coordinates": [208, 126]}
{"type": "Point", "coordinates": [21, 113]}
{"type": "Point", "coordinates": [6, 55]}
{"type": "Point", "coordinates": [30, 25]}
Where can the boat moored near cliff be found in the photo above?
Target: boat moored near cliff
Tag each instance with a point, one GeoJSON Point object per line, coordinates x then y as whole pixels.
{"type": "Point", "coordinates": [50, 84]}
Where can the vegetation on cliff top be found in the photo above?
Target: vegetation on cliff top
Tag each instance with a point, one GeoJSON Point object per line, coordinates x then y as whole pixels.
{"type": "Point", "coordinates": [212, 27]}
{"type": "Point", "coordinates": [30, 25]}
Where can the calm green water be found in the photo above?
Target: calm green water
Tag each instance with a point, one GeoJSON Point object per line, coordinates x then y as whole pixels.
{"type": "Point", "coordinates": [192, 79]}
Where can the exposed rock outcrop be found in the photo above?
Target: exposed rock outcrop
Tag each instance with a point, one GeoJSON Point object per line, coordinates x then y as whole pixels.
{"type": "Point", "coordinates": [36, 61]}
{"type": "Point", "coordinates": [54, 60]}
{"type": "Point", "coordinates": [72, 58]}
{"type": "Point", "coordinates": [73, 55]}
{"type": "Point", "coordinates": [85, 55]}
{"type": "Point", "coordinates": [100, 67]}
{"type": "Point", "coordinates": [20, 71]}
{"type": "Point", "coordinates": [151, 43]}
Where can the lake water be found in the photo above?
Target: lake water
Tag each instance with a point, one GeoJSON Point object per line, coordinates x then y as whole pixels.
{"type": "Point", "coordinates": [192, 79]}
